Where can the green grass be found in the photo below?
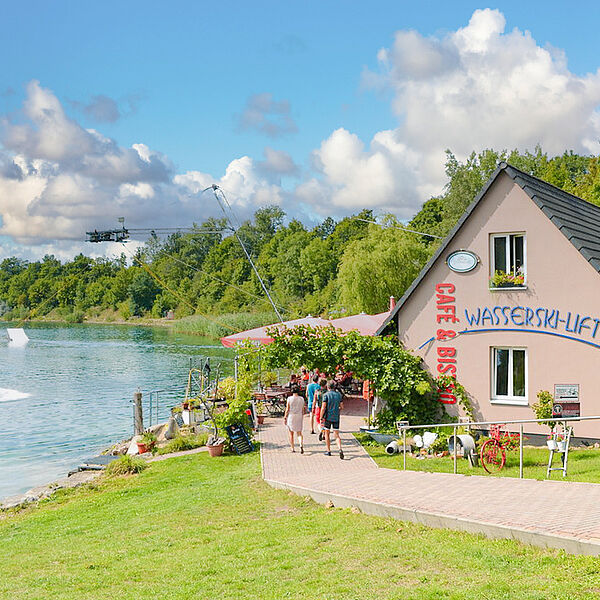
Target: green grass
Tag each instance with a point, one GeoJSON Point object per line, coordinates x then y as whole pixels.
{"type": "Point", "coordinates": [583, 465]}
{"type": "Point", "coordinates": [197, 528]}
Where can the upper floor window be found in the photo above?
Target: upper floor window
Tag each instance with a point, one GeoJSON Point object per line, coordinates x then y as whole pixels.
{"type": "Point", "coordinates": [508, 260]}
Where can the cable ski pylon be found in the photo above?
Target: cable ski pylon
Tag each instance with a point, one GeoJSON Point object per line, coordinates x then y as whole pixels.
{"type": "Point", "coordinates": [228, 216]}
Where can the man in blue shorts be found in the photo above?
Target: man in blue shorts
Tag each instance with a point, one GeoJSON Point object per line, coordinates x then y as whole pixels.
{"type": "Point", "coordinates": [330, 417]}
{"type": "Point", "coordinates": [311, 388]}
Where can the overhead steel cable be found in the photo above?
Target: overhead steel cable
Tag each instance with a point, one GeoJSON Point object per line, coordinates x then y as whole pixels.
{"type": "Point", "coordinates": [218, 279]}
{"type": "Point", "coordinates": [222, 203]}
{"type": "Point", "coordinates": [164, 285]}
{"type": "Point", "coordinates": [437, 237]}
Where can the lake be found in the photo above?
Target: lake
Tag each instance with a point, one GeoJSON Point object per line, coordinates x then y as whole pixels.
{"type": "Point", "coordinates": [68, 393]}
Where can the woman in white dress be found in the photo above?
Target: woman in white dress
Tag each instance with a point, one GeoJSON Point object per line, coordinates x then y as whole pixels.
{"type": "Point", "coordinates": [294, 415]}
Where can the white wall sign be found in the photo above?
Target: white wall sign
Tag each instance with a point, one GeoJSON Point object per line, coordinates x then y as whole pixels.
{"type": "Point", "coordinates": [462, 261]}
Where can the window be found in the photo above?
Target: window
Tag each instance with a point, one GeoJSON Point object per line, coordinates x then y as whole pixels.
{"type": "Point", "coordinates": [509, 375]}
{"type": "Point", "coordinates": [507, 261]}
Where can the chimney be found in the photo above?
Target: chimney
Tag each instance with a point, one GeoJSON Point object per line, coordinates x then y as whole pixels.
{"type": "Point", "coordinates": [392, 303]}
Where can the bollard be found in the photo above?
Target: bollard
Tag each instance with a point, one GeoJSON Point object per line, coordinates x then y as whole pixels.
{"type": "Point", "coordinates": [138, 418]}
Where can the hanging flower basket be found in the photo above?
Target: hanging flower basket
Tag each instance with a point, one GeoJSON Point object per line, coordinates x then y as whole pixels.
{"type": "Point", "coordinates": [552, 445]}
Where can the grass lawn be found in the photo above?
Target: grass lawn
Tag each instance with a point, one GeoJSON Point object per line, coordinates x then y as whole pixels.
{"type": "Point", "coordinates": [583, 465]}
{"type": "Point", "coordinates": [196, 528]}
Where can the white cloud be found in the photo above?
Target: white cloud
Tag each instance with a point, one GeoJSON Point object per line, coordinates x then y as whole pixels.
{"type": "Point", "coordinates": [266, 115]}
{"type": "Point", "coordinates": [482, 88]}
{"type": "Point", "coordinates": [278, 163]}
{"type": "Point", "coordinates": [475, 88]}
{"type": "Point", "coordinates": [351, 178]}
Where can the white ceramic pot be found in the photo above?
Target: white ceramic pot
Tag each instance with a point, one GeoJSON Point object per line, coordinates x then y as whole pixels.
{"type": "Point", "coordinates": [562, 446]}
{"type": "Point", "coordinates": [552, 445]}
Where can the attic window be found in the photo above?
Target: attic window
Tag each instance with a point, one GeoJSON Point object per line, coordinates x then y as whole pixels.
{"type": "Point", "coordinates": [508, 261]}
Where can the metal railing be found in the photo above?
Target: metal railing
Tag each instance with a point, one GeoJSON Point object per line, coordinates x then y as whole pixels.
{"type": "Point", "coordinates": [404, 426]}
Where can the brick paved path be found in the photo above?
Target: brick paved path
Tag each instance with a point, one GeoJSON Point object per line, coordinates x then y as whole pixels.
{"type": "Point", "coordinates": [545, 513]}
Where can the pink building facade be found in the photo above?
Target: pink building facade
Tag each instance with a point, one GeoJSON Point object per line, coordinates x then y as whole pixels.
{"type": "Point", "coordinates": [536, 325]}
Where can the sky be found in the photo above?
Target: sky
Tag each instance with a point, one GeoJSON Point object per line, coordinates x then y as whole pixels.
{"type": "Point", "coordinates": [131, 109]}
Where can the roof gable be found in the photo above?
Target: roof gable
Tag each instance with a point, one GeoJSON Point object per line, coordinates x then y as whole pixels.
{"type": "Point", "coordinates": [577, 219]}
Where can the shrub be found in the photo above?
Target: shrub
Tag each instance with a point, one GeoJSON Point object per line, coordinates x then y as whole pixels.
{"type": "Point", "coordinates": [543, 407]}
{"type": "Point", "coordinates": [227, 388]}
{"type": "Point", "coordinates": [148, 438]}
{"type": "Point", "coordinates": [125, 465]}
{"type": "Point", "coordinates": [74, 317]}
{"type": "Point", "coordinates": [184, 442]}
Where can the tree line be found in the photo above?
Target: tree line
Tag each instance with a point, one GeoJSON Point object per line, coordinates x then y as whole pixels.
{"type": "Point", "coordinates": [334, 268]}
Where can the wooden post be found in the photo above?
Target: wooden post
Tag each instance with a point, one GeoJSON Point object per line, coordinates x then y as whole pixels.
{"type": "Point", "coordinates": [138, 417]}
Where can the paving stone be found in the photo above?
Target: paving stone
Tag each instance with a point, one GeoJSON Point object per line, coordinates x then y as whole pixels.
{"type": "Point", "coordinates": [546, 513]}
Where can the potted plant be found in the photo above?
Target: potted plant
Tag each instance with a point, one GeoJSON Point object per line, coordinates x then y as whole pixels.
{"type": "Point", "coordinates": [268, 378]}
{"type": "Point", "coordinates": [260, 412]}
{"type": "Point", "coordinates": [215, 445]}
{"type": "Point", "coordinates": [147, 442]}
{"type": "Point", "coordinates": [551, 443]}
{"type": "Point", "coordinates": [561, 443]}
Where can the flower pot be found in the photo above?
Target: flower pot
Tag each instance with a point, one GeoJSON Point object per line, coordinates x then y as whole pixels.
{"type": "Point", "coordinates": [215, 450]}
{"type": "Point", "coordinates": [143, 447]}
{"type": "Point", "coordinates": [552, 445]}
{"type": "Point", "coordinates": [260, 419]}
{"type": "Point", "coordinates": [562, 446]}
{"type": "Point", "coordinates": [185, 405]}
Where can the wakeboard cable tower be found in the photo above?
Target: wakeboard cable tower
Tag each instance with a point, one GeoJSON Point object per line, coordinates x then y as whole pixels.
{"type": "Point", "coordinates": [222, 201]}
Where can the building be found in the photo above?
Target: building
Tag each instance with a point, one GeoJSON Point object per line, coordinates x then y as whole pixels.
{"type": "Point", "coordinates": [510, 303]}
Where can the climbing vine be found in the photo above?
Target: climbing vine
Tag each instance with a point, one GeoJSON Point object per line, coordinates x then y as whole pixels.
{"type": "Point", "coordinates": [447, 383]}
{"type": "Point", "coordinates": [397, 375]}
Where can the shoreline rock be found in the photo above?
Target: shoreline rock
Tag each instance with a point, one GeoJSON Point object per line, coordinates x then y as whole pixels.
{"type": "Point", "coordinates": [45, 491]}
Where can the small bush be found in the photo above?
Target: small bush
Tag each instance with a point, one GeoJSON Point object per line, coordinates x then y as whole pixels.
{"type": "Point", "coordinates": [184, 442]}
{"type": "Point", "coordinates": [125, 465]}
{"type": "Point", "coordinates": [74, 317]}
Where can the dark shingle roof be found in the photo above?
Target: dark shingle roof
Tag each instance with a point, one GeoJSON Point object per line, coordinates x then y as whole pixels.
{"type": "Point", "coordinates": [577, 220]}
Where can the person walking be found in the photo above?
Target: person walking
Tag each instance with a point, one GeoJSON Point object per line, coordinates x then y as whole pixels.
{"type": "Point", "coordinates": [293, 417]}
{"type": "Point", "coordinates": [330, 417]}
{"type": "Point", "coordinates": [317, 402]}
{"type": "Point", "coordinates": [310, 396]}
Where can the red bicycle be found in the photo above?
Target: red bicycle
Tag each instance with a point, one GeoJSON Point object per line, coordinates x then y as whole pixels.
{"type": "Point", "coordinates": [493, 451]}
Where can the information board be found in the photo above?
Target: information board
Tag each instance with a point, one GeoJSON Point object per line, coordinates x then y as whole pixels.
{"type": "Point", "coordinates": [566, 400]}
{"type": "Point", "coordinates": [239, 438]}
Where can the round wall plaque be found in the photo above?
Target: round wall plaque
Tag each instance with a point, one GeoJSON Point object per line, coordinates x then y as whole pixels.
{"type": "Point", "coordinates": [462, 261]}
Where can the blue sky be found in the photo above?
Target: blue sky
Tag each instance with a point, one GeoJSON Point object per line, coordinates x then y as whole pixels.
{"type": "Point", "coordinates": [300, 88]}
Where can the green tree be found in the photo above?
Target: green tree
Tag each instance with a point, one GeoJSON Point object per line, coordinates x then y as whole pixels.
{"type": "Point", "coordinates": [142, 292]}
{"type": "Point", "coordinates": [381, 265]}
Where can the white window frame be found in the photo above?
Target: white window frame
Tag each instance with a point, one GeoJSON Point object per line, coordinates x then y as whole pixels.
{"type": "Point", "coordinates": [510, 398]}
{"type": "Point", "coordinates": [507, 235]}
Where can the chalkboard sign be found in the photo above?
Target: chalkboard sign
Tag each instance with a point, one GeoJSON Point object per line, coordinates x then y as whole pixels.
{"type": "Point", "coordinates": [240, 441]}
{"type": "Point", "coordinates": [179, 420]}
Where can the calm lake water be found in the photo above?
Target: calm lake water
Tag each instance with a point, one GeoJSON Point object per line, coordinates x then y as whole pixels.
{"type": "Point", "coordinates": [68, 393]}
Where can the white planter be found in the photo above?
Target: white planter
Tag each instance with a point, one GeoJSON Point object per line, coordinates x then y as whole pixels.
{"type": "Point", "coordinates": [562, 446]}
{"type": "Point", "coordinates": [552, 445]}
